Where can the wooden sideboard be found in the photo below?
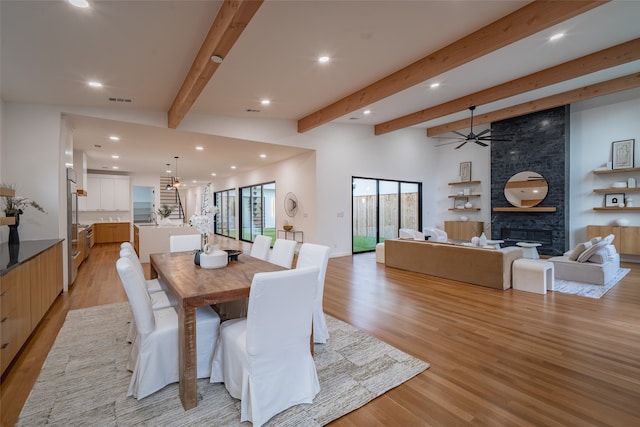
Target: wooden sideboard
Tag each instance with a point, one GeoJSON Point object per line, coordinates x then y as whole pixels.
{"type": "Point", "coordinates": [627, 239]}
{"type": "Point", "coordinates": [111, 232]}
{"type": "Point", "coordinates": [463, 230]}
{"type": "Point", "coordinates": [29, 285]}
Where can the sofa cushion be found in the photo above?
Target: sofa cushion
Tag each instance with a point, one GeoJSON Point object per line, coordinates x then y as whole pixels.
{"type": "Point", "coordinates": [595, 240]}
{"type": "Point", "coordinates": [579, 249]}
{"type": "Point", "coordinates": [600, 256]}
{"type": "Point", "coordinates": [584, 256]}
{"type": "Point", "coordinates": [611, 252]}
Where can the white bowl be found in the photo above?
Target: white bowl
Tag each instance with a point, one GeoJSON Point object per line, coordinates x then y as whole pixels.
{"type": "Point", "coordinates": [619, 184]}
{"type": "Point", "coordinates": [622, 222]}
{"type": "Point", "coordinates": [216, 259]}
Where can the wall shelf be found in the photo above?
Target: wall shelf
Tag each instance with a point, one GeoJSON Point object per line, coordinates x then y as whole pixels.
{"type": "Point", "coordinates": [617, 190]}
{"type": "Point", "coordinates": [615, 208]}
{"type": "Point", "coordinates": [7, 220]}
{"type": "Point", "coordinates": [464, 209]}
{"type": "Point", "coordinates": [469, 182]}
{"type": "Point", "coordinates": [533, 209]}
{"type": "Point", "coordinates": [7, 192]}
{"type": "Point", "coordinates": [606, 171]}
{"type": "Point", "coordinates": [464, 196]}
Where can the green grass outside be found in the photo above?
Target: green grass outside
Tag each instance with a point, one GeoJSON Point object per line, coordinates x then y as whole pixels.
{"type": "Point", "coordinates": [364, 243]}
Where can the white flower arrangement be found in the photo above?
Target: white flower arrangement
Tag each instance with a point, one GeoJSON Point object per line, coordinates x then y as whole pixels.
{"type": "Point", "coordinates": [204, 221]}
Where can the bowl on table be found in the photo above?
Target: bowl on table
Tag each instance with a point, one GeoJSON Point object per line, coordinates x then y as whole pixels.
{"type": "Point", "coordinates": [287, 227]}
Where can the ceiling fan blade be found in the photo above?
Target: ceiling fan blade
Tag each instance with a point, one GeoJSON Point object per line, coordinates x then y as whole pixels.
{"type": "Point", "coordinates": [447, 143]}
{"type": "Point", "coordinates": [497, 140]}
{"type": "Point", "coordinates": [481, 143]}
{"type": "Point", "coordinates": [462, 144]}
{"type": "Point", "coordinates": [459, 133]}
{"type": "Point", "coordinates": [483, 132]}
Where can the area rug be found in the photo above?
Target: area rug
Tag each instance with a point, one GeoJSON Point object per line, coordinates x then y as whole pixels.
{"type": "Point", "coordinates": [84, 379]}
{"type": "Point", "coordinates": [587, 289]}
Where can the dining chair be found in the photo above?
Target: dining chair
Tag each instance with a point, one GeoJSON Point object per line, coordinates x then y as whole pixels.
{"type": "Point", "coordinates": [127, 245]}
{"type": "Point", "coordinates": [153, 285]}
{"type": "Point", "coordinates": [264, 359]}
{"type": "Point", "coordinates": [156, 363]}
{"type": "Point", "coordinates": [312, 255]}
{"type": "Point", "coordinates": [282, 252]}
{"type": "Point", "coordinates": [261, 246]}
{"type": "Point", "coordinates": [184, 243]}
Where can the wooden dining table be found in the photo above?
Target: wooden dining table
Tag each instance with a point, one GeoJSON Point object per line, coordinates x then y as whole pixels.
{"type": "Point", "coordinates": [194, 287]}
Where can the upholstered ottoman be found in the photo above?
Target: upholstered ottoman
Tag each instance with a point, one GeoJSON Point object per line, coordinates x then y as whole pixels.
{"type": "Point", "coordinates": [380, 253]}
{"type": "Point", "coordinates": [532, 275]}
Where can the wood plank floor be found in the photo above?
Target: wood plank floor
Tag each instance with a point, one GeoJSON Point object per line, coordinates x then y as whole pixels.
{"type": "Point", "coordinates": [498, 358]}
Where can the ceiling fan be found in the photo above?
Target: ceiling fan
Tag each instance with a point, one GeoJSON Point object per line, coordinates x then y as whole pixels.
{"type": "Point", "coordinates": [479, 138]}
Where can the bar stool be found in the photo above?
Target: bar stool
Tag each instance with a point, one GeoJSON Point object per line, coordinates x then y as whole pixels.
{"type": "Point", "coordinates": [529, 249]}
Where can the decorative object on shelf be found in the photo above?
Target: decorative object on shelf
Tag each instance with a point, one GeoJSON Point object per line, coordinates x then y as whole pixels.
{"type": "Point", "coordinates": [287, 226]}
{"type": "Point", "coordinates": [466, 191]}
{"type": "Point", "coordinates": [622, 154]}
{"type": "Point", "coordinates": [619, 184]}
{"type": "Point", "coordinates": [628, 202]}
{"type": "Point", "coordinates": [613, 200]}
{"type": "Point", "coordinates": [14, 206]}
{"type": "Point", "coordinates": [483, 240]}
{"type": "Point", "coordinates": [290, 204]}
{"type": "Point", "coordinates": [465, 171]}
{"type": "Point", "coordinates": [464, 218]}
{"type": "Point", "coordinates": [622, 222]}
{"type": "Point", "coordinates": [526, 189]}
{"type": "Point", "coordinates": [631, 182]}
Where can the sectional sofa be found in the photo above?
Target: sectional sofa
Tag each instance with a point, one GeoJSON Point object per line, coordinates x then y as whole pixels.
{"type": "Point", "coordinates": [478, 266]}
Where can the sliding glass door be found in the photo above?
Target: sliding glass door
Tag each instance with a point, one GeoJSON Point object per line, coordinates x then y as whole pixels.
{"type": "Point", "coordinates": [257, 207]}
{"type": "Point", "coordinates": [380, 208]}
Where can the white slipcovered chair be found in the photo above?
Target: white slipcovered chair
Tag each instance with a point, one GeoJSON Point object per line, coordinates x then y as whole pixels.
{"type": "Point", "coordinates": [260, 247]}
{"type": "Point", "coordinates": [184, 243]}
{"type": "Point", "coordinates": [408, 233]}
{"type": "Point", "coordinates": [264, 360]}
{"type": "Point", "coordinates": [312, 255]}
{"type": "Point", "coordinates": [153, 285]}
{"type": "Point", "coordinates": [282, 253]}
{"type": "Point", "coordinates": [127, 245]}
{"type": "Point", "coordinates": [436, 235]}
{"type": "Point", "coordinates": [156, 363]}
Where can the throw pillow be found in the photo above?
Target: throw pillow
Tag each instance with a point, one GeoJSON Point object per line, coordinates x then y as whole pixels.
{"type": "Point", "coordinates": [611, 252]}
{"type": "Point", "coordinates": [584, 256]}
{"type": "Point", "coordinates": [581, 247]}
{"type": "Point", "coordinates": [595, 240]}
{"type": "Point", "coordinates": [609, 239]}
{"type": "Point", "coordinates": [600, 257]}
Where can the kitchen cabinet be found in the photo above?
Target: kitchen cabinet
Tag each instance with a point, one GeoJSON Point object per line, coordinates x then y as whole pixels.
{"type": "Point", "coordinates": [28, 288]}
{"type": "Point", "coordinates": [626, 241]}
{"type": "Point", "coordinates": [111, 232]}
{"type": "Point", "coordinates": [107, 193]}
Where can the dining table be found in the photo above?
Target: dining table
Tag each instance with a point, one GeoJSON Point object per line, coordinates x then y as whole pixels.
{"type": "Point", "coordinates": [194, 287]}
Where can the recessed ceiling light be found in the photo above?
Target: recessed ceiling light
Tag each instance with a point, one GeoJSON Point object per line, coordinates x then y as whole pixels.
{"type": "Point", "coordinates": [323, 59]}
{"type": "Point", "coordinates": [199, 148]}
{"type": "Point", "coordinates": [95, 84]}
{"type": "Point", "coordinates": [263, 156]}
{"type": "Point", "coordinates": [114, 138]}
{"type": "Point", "coordinates": [434, 85]}
{"type": "Point", "coordinates": [115, 167]}
{"type": "Point", "coordinates": [265, 102]}
{"type": "Point", "coordinates": [217, 59]}
{"type": "Point", "coordinates": [366, 112]}
{"type": "Point", "coordinates": [233, 167]}
{"type": "Point", "coordinates": [556, 36]}
{"type": "Point", "coordinates": [115, 156]}
{"type": "Point", "coordinates": [79, 3]}
{"type": "Point", "coordinates": [194, 181]}
{"type": "Point", "coordinates": [68, 165]}
{"type": "Point", "coordinates": [213, 174]}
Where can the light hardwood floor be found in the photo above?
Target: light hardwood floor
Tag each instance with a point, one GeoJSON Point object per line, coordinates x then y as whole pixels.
{"type": "Point", "coordinates": [498, 358]}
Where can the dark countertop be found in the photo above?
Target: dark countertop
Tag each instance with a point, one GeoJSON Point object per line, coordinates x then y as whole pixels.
{"type": "Point", "coordinates": [14, 255]}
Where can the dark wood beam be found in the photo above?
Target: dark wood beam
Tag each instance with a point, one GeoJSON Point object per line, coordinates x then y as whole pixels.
{"type": "Point", "coordinates": [230, 22]}
{"type": "Point", "coordinates": [606, 58]}
{"type": "Point", "coordinates": [530, 19]}
{"type": "Point", "coordinates": [587, 92]}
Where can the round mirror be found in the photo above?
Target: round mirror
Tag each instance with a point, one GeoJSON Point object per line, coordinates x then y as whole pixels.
{"type": "Point", "coordinates": [526, 189]}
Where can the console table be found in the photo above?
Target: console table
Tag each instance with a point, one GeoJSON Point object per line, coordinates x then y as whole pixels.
{"type": "Point", "coordinates": [291, 235]}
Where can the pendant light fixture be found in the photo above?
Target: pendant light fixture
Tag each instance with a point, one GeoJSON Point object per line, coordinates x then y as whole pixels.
{"type": "Point", "coordinates": [176, 181]}
{"type": "Point", "coordinates": [169, 187]}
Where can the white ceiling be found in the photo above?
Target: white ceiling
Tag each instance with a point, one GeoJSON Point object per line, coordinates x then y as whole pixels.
{"type": "Point", "coordinates": [142, 50]}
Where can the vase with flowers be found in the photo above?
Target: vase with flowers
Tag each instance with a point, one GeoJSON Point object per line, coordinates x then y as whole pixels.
{"type": "Point", "coordinates": [14, 206]}
{"type": "Point", "coordinates": [204, 221]}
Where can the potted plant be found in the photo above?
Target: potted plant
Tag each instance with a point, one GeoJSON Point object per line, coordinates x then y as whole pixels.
{"type": "Point", "coordinates": [14, 206]}
{"type": "Point", "coordinates": [164, 212]}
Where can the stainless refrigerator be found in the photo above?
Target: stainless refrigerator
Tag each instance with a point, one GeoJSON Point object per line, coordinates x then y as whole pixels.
{"type": "Point", "coordinates": [72, 225]}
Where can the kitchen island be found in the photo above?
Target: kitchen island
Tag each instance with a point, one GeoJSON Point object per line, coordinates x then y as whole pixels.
{"type": "Point", "coordinates": [152, 238]}
{"type": "Point", "coordinates": [30, 281]}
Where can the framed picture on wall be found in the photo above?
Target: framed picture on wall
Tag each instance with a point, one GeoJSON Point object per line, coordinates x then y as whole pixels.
{"type": "Point", "coordinates": [613, 200]}
{"type": "Point", "coordinates": [465, 171]}
{"type": "Point", "coordinates": [622, 154]}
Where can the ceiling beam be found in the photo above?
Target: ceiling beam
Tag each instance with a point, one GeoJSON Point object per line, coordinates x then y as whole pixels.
{"type": "Point", "coordinates": [630, 81]}
{"type": "Point", "coordinates": [530, 19]}
{"type": "Point", "coordinates": [231, 20]}
{"type": "Point", "coordinates": [606, 58]}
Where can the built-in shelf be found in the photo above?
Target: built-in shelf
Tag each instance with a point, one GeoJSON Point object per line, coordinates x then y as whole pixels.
{"type": "Point", "coordinates": [616, 208]}
{"type": "Point", "coordinates": [532, 209]}
{"type": "Point", "coordinates": [7, 220]}
{"type": "Point", "coordinates": [7, 192]}
{"type": "Point", "coordinates": [464, 183]}
{"type": "Point", "coordinates": [605, 171]}
{"type": "Point", "coordinates": [81, 192]}
{"type": "Point", "coordinates": [464, 209]}
{"type": "Point", "coordinates": [463, 196]}
{"type": "Point", "coordinates": [617, 190]}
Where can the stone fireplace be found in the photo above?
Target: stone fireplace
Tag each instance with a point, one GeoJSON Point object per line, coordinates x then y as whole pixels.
{"type": "Point", "coordinates": [540, 144]}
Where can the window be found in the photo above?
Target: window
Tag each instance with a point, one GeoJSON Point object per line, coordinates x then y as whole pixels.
{"type": "Point", "coordinates": [380, 208]}
{"type": "Point", "coordinates": [257, 207]}
{"type": "Point", "coordinates": [226, 218]}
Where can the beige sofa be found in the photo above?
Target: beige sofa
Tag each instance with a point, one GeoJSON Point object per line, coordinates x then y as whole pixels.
{"type": "Point", "coordinates": [478, 266]}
